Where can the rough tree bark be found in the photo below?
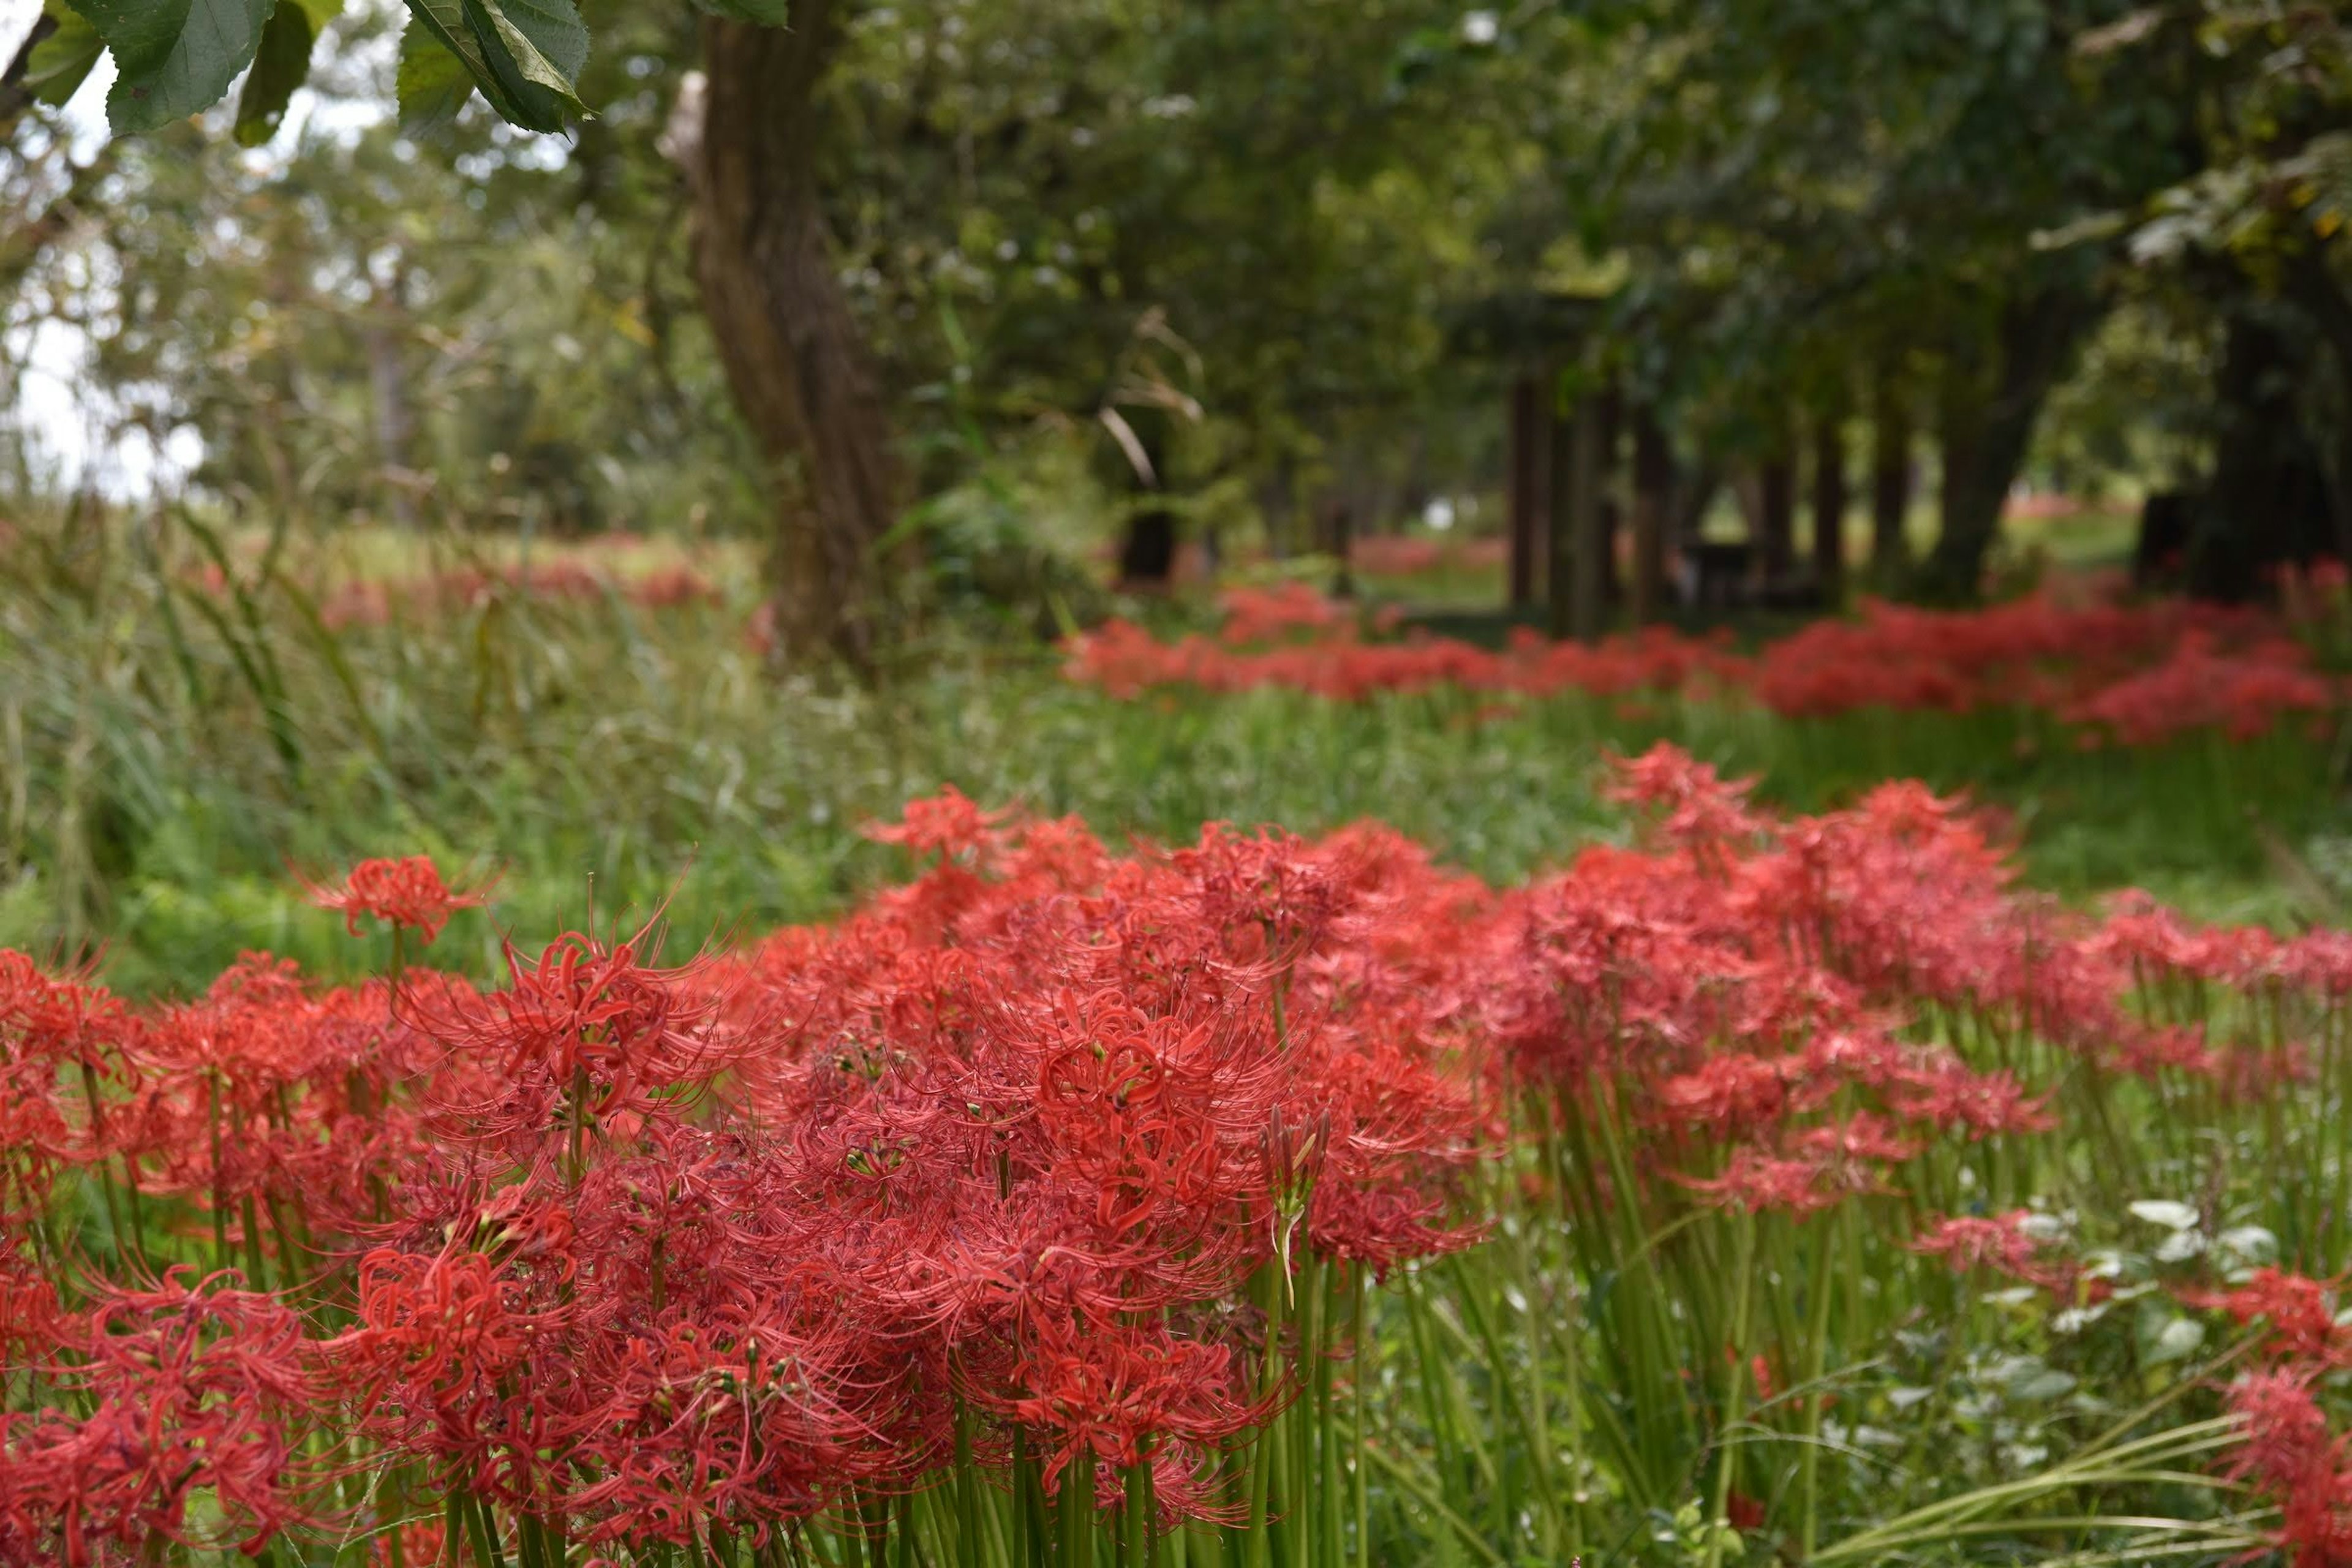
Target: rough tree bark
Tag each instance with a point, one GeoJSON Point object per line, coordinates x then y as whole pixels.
{"type": "Point", "coordinates": [1987, 423]}
{"type": "Point", "coordinates": [794, 356]}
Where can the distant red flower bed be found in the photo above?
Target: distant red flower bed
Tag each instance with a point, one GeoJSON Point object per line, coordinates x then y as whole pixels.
{"type": "Point", "coordinates": [1411, 555]}
{"type": "Point", "coordinates": [380, 601]}
{"type": "Point", "coordinates": [2137, 673]}
{"type": "Point", "coordinates": [1052, 1173]}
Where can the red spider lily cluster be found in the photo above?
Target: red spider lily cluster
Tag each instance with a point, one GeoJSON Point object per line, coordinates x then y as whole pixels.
{"type": "Point", "coordinates": [1051, 1165]}
{"type": "Point", "coordinates": [2135, 674]}
{"type": "Point", "coordinates": [2290, 1454]}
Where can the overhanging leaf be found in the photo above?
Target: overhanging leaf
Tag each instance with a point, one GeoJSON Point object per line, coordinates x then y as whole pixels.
{"type": "Point", "coordinates": [279, 67]}
{"type": "Point", "coordinates": [174, 58]}
{"type": "Point", "coordinates": [444, 21]}
{"type": "Point", "coordinates": [535, 49]}
{"type": "Point", "coordinates": [434, 83]}
{"type": "Point", "coordinates": [59, 62]}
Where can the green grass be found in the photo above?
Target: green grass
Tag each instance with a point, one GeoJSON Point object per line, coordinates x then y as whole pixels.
{"type": "Point", "coordinates": [166, 756]}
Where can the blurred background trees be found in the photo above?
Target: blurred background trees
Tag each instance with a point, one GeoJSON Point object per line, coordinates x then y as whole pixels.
{"type": "Point", "coordinates": [1199, 272]}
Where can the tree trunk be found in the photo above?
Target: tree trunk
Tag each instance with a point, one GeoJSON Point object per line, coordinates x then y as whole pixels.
{"type": "Point", "coordinates": [1530, 458]}
{"type": "Point", "coordinates": [384, 336]}
{"type": "Point", "coordinates": [2268, 499]}
{"type": "Point", "coordinates": [2313, 284]}
{"type": "Point", "coordinates": [1775, 515]}
{"type": "Point", "coordinates": [1602, 553]}
{"type": "Point", "coordinates": [794, 357]}
{"type": "Point", "coordinates": [1984, 437]}
{"type": "Point", "coordinates": [1654, 486]}
{"type": "Point", "coordinates": [1577, 536]}
{"type": "Point", "coordinates": [1890, 480]}
{"type": "Point", "coordinates": [1830, 499]}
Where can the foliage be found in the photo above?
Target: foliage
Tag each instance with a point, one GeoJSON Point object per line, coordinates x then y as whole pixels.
{"type": "Point", "coordinates": [173, 722]}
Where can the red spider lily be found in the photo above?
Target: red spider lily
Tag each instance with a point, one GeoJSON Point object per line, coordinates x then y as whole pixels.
{"type": "Point", "coordinates": [1730, 1096]}
{"type": "Point", "coordinates": [1103, 1392]}
{"type": "Point", "coordinates": [2007, 1245]}
{"type": "Point", "coordinates": [1756, 1181]}
{"type": "Point", "coordinates": [407, 894]}
{"type": "Point", "coordinates": [2299, 1315]}
{"type": "Point", "coordinates": [185, 1387]}
{"type": "Point", "coordinates": [947, 825]}
{"type": "Point", "coordinates": [584, 1019]}
{"type": "Point", "coordinates": [2290, 1455]}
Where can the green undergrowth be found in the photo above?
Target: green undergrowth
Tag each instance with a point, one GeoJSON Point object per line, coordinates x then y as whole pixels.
{"type": "Point", "coordinates": [167, 755]}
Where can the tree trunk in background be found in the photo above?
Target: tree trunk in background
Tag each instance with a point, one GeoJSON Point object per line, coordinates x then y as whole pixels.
{"type": "Point", "coordinates": [385, 337]}
{"type": "Point", "coordinates": [1653, 484]}
{"type": "Point", "coordinates": [2313, 284]}
{"type": "Point", "coordinates": [1530, 461]}
{"type": "Point", "coordinates": [1776, 514]}
{"type": "Point", "coordinates": [1609, 409]}
{"type": "Point", "coordinates": [1339, 532]}
{"type": "Point", "coordinates": [1277, 499]}
{"type": "Point", "coordinates": [1987, 426]}
{"type": "Point", "coordinates": [763, 257]}
{"type": "Point", "coordinates": [1577, 534]}
{"type": "Point", "coordinates": [1890, 480]}
{"type": "Point", "coordinates": [2268, 501]}
{"type": "Point", "coordinates": [1830, 499]}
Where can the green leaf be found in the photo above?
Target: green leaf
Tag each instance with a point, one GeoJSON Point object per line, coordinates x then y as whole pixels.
{"type": "Point", "coordinates": [175, 57]}
{"type": "Point", "coordinates": [434, 83]}
{"type": "Point", "coordinates": [766, 13]}
{"type": "Point", "coordinates": [535, 49]}
{"type": "Point", "coordinates": [445, 21]}
{"type": "Point", "coordinates": [2172, 1339]}
{"type": "Point", "coordinates": [281, 67]}
{"type": "Point", "coordinates": [60, 61]}
{"type": "Point", "coordinates": [2166, 1212]}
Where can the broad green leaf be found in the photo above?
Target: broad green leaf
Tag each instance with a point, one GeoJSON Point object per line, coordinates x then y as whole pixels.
{"type": "Point", "coordinates": [445, 21]}
{"type": "Point", "coordinates": [60, 61]}
{"type": "Point", "coordinates": [766, 13]}
{"type": "Point", "coordinates": [535, 49]}
{"type": "Point", "coordinates": [141, 33]}
{"type": "Point", "coordinates": [281, 67]}
{"type": "Point", "coordinates": [434, 83]}
{"type": "Point", "coordinates": [175, 57]}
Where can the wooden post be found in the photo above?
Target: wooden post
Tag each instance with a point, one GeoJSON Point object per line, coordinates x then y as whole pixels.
{"type": "Point", "coordinates": [1653, 481]}
{"type": "Point", "coordinates": [1830, 499]}
{"type": "Point", "coordinates": [1530, 461]}
{"type": "Point", "coordinates": [1890, 479]}
{"type": "Point", "coordinates": [1576, 523]}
